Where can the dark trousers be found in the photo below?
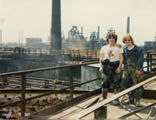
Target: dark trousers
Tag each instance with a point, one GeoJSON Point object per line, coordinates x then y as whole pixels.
{"type": "Point", "coordinates": [130, 79]}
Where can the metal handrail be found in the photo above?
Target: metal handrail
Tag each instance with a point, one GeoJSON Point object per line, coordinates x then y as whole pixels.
{"type": "Point", "coordinates": [22, 73]}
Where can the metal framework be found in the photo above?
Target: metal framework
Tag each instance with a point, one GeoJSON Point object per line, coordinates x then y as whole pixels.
{"type": "Point", "coordinates": [85, 112]}
{"type": "Point", "coordinates": [23, 81]}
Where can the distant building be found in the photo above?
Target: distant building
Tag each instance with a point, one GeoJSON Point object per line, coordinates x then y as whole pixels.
{"type": "Point", "coordinates": [149, 45]}
{"type": "Point", "coordinates": [75, 39]}
{"type": "Point", "coordinates": [110, 30]}
{"type": "Point", "coordinates": [11, 45]}
{"type": "Point", "coordinates": [33, 42]}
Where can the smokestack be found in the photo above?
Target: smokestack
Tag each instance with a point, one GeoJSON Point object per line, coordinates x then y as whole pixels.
{"type": "Point", "coordinates": [1, 38]}
{"type": "Point", "coordinates": [82, 31]}
{"type": "Point", "coordinates": [98, 33]}
{"type": "Point", "coordinates": [55, 34]}
{"type": "Point", "coordinates": [19, 38]}
{"type": "Point", "coordinates": [128, 25]}
{"type": "Point", "coordinates": [22, 38]}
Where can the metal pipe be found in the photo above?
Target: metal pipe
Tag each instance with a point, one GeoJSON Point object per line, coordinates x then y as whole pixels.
{"type": "Point", "coordinates": [150, 112]}
{"type": "Point", "coordinates": [136, 111]}
{"type": "Point", "coordinates": [124, 107]}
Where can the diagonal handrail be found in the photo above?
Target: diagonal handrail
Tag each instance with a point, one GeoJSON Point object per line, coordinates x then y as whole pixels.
{"type": "Point", "coordinates": [108, 100]}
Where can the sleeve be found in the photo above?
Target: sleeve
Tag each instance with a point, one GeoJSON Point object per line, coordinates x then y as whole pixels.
{"type": "Point", "coordinates": [140, 59]}
{"type": "Point", "coordinates": [121, 50]}
{"type": "Point", "coordinates": [102, 51]}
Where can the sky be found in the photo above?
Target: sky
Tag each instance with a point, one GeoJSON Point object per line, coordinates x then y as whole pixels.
{"type": "Point", "coordinates": [33, 17]}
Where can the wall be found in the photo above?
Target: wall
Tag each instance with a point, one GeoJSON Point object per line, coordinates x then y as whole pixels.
{"type": "Point", "coordinates": [89, 73]}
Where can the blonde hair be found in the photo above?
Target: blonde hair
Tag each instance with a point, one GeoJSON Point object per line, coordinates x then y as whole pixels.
{"type": "Point", "coordinates": [128, 37]}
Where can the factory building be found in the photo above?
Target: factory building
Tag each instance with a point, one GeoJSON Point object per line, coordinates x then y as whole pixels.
{"type": "Point", "coordinates": [33, 42]}
{"type": "Point", "coordinates": [150, 45]}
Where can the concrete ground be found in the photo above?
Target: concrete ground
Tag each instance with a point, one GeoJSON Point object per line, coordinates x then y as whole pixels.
{"type": "Point", "coordinates": [113, 112]}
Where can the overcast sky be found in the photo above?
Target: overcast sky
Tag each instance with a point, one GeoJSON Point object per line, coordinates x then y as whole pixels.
{"type": "Point", "coordinates": [33, 17]}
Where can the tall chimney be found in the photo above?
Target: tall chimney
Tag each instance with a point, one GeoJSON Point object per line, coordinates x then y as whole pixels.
{"type": "Point", "coordinates": [55, 33]}
{"type": "Point", "coordinates": [98, 33]}
{"type": "Point", "coordinates": [128, 26]}
{"type": "Point", "coordinates": [19, 38]}
{"type": "Point", "coordinates": [1, 38]}
{"type": "Point", "coordinates": [82, 31]}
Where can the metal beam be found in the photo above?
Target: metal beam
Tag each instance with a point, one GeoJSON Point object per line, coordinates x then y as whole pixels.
{"type": "Point", "coordinates": [108, 100]}
{"type": "Point", "coordinates": [44, 69]}
{"type": "Point", "coordinates": [136, 111]}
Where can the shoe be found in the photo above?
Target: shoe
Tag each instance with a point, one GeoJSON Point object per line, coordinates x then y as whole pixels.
{"type": "Point", "coordinates": [116, 102]}
{"type": "Point", "coordinates": [138, 104]}
{"type": "Point", "coordinates": [101, 99]}
{"type": "Point", "coordinates": [129, 101]}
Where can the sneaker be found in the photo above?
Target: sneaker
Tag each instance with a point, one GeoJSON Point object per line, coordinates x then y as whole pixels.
{"type": "Point", "coordinates": [138, 104]}
{"type": "Point", "coordinates": [129, 101]}
{"type": "Point", "coordinates": [101, 99]}
{"type": "Point", "coordinates": [116, 102]}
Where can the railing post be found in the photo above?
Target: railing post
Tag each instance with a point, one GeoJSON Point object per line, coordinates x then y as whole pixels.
{"type": "Point", "coordinates": [35, 51]}
{"type": "Point", "coordinates": [23, 94]}
{"type": "Point", "coordinates": [87, 53]}
{"type": "Point", "coordinates": [28, 51]}
{"type": "Point", "coordinates": [40, 52]}
{"type": "Point", "coordinates": [71, 82]}
{"type": "Point", "coordinates": [46, 84]}
{"type": "Point", "coordinates": [95, 54]}
{"type": "Point", "coordinates": [148, 62]}
{"type": "Point", "coordinates": [62, 51]}
{"type": "Point", "coordinates": [100, 113]}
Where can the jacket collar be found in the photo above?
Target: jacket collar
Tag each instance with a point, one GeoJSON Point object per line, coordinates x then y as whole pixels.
{"type": "Point", "coordinates": [134, 49]}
